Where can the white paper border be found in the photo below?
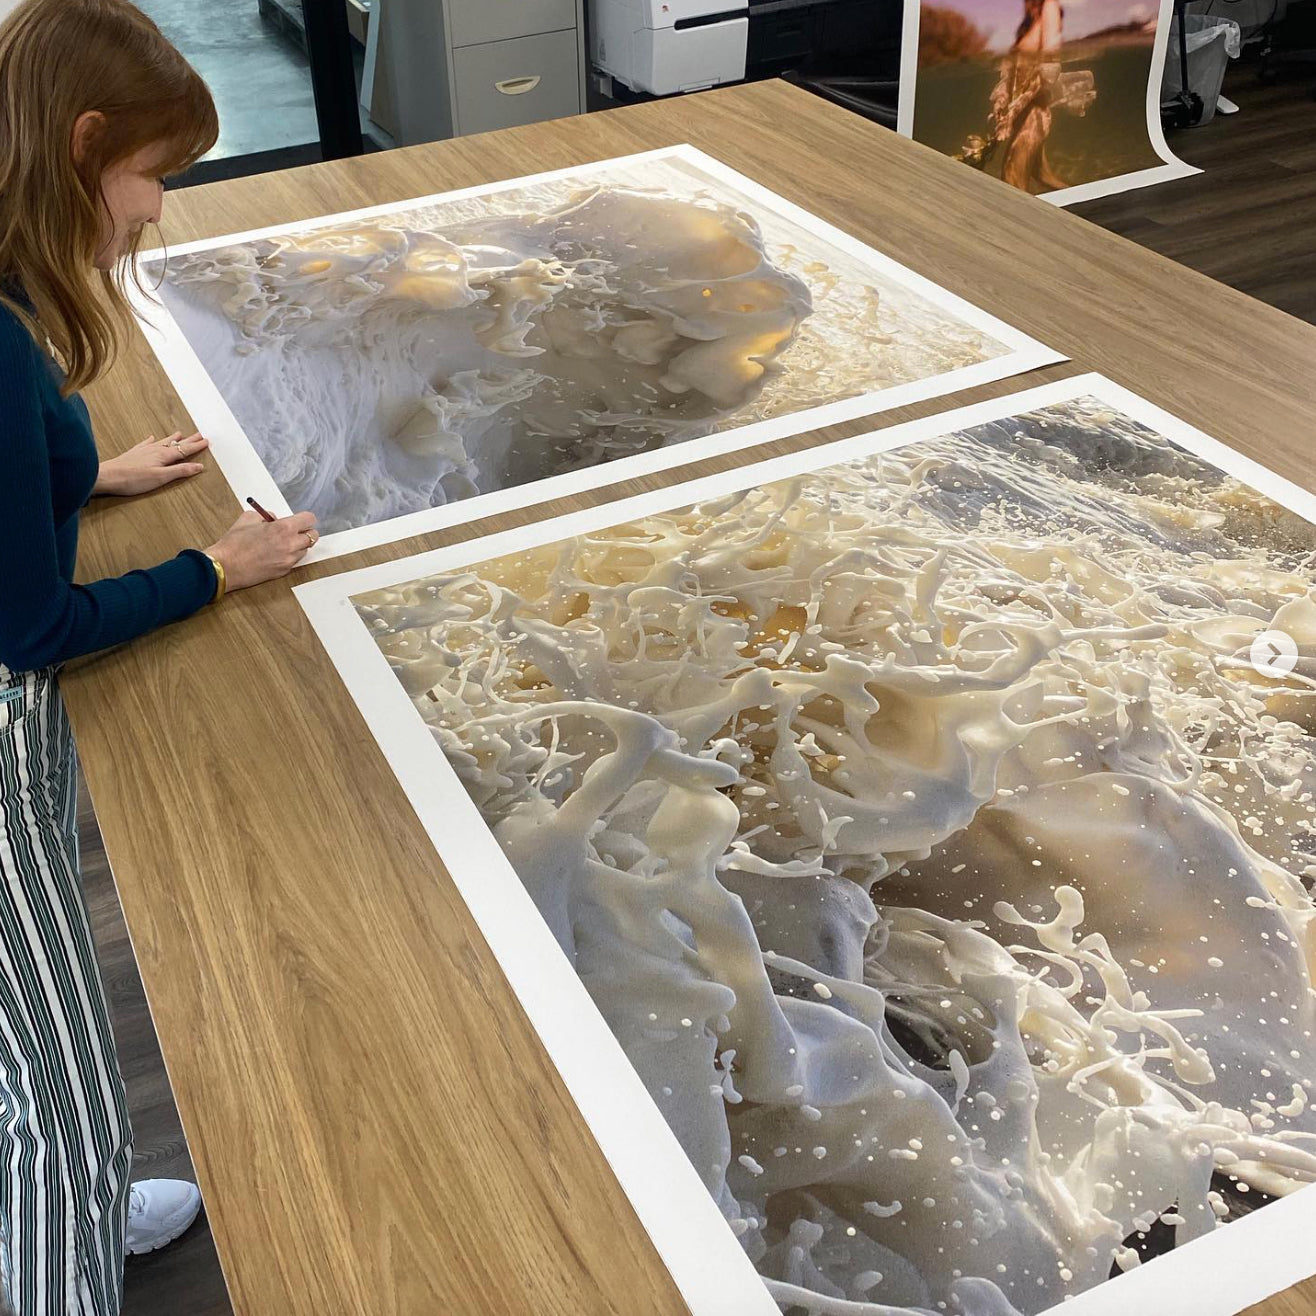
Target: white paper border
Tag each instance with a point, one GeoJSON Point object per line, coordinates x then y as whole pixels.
{"type": "Point", "coordinates": [248, 476]}
{"type": "Point", "coordinates": [1217, 1275]}
{"type": "Point", "coordinates": [1172, 167]}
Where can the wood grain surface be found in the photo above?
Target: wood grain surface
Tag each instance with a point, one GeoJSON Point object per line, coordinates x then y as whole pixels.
{"type": "Point", "coordinates": [1248, 221]}
{"type": "Point", "coordinates": [184, 1278]}
{"type": "Point", "coordinates": [375, 1125]}
{"type": "Point", "coordinates": [1300, 1300]}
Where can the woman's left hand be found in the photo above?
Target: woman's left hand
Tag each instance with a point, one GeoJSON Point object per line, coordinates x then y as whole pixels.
{"type": "Point", "coordinates": [150, 464]}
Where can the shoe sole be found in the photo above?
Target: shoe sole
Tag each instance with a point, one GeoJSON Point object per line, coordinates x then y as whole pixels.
{"type": "Point", "coordinates": [165, 1241]}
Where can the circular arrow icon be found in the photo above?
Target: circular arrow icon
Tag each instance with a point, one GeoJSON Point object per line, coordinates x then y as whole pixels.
{"type": "Point", "coordinates": [1274, 653]}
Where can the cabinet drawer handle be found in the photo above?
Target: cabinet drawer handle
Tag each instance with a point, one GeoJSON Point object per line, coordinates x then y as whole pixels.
{"type": "Point", "coordinates": [517, 86]}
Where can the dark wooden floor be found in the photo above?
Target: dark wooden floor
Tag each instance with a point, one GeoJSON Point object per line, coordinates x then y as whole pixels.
{"type": "Point", "coordinates": [1249, 221]}
{"type": "Point", "coordinates": [183, 1279]}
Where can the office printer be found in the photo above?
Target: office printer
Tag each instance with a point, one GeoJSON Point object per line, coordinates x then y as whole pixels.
{"type": "Point", "coordinates": [662, 47]}
{"type": "Point", "coordinates": [668, 46]}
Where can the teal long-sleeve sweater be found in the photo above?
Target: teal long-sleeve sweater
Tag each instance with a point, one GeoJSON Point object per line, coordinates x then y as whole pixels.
{"type": "Point", "coordinates": [48, 465]}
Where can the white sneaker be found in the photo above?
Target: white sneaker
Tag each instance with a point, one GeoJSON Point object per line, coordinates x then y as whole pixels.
{"type": "Point", "coordinates": [159, 1210]}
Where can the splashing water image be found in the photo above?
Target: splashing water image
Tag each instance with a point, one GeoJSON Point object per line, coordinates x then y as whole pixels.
{"type": "Point", "coordinates": [928, 841]}
{"type": "Point", "coordinates": [388, 365]}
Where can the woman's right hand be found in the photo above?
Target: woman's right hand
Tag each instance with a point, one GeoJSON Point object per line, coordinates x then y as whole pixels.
{"type": "Point", "coordinates": [255, 550]}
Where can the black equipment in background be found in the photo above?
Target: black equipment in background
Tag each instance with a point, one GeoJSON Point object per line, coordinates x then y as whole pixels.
{"type": "Point", "coordinates": [847, 51]}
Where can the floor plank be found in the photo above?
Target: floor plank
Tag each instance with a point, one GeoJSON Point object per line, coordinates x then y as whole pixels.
{"type": "Point", "coordinates": [1248, 219]}
{"type": "Point", "coordinates": [184, 1277]}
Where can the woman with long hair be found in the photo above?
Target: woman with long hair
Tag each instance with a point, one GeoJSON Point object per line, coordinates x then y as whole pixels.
{"type": "Point", "coordinates": [1031, 88]}
{"type": "Point", "coordinates": [96, 109]}
{"type": "Point", "coordinates": [1021, 102]}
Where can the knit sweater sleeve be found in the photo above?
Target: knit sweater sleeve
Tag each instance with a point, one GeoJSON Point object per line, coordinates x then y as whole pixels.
{"type": "Point", "coordinates": [44, 617]}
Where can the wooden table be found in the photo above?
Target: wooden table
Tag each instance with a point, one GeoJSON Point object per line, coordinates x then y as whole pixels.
{"type": "Point", "coordinates": [375, 1125]}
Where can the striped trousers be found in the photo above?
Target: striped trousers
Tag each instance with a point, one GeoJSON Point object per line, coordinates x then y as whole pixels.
{"type": "Point", "coordinates": [65, 1140]}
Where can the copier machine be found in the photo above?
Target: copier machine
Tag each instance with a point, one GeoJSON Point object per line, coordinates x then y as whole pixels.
{"type": "Point", "coordinates": [845, 50]}
{"type": "Point", "coordinates": [667, 46]}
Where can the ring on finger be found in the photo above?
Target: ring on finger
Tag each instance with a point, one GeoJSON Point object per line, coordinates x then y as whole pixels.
{"type": "Point", "coordinates": [312, 538]}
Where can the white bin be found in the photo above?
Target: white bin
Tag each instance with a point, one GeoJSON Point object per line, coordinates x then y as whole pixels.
{"type": "Point", "coordinates": [1212, 43]}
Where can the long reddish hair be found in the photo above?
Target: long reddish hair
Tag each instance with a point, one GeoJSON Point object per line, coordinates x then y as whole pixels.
{"type": "Point", "coordinates": [60, 59]}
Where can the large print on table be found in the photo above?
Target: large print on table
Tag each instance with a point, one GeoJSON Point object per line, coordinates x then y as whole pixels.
{"type": "Point", "coordinates": [1059, 99]}
{"type": "Point", "coordinates": [411, 366]}
{"type": "Point", "coordinates": [923, 826]}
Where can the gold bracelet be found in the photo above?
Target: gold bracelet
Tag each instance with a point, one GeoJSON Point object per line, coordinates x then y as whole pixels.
{"type": "Point", "coordinates": [221, 578]}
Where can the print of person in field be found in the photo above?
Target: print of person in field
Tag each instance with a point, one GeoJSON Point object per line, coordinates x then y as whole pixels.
{"type": "Point", "coordinates": [1031, 88]}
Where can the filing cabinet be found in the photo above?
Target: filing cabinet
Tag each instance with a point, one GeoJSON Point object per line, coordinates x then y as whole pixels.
{"type": "Point", "coordinates": [449, 68]}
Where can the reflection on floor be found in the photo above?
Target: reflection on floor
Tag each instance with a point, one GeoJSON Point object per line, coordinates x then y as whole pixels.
{"type": "Point", "coordinates": [260, 78]}
{"type": "Point", "coordinates": [1246, 220]}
